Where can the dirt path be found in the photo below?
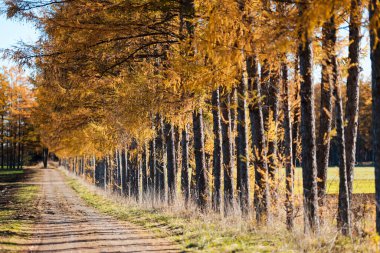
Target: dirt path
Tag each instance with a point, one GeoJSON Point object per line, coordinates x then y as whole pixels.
{"type": "Point", "coordinates": [67, 224]}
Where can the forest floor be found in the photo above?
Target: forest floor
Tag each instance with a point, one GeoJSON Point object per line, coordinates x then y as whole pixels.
{"type": "Point", "coordinates": [41, 213]}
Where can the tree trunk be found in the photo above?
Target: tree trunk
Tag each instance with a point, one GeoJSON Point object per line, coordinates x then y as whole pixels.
{"type": "Point", "coordinates": [296, 112]}
{"type": "Point", "coordinates": [343, 219]}
{"type": "Point", "coordinates": [325, 120]}
{"type": "Point", "coordinates": [261, 195]}
{"type": "Point", "coordinates": [309, 163]}
{"type": "Point", "coordinates": [227, 148]}
{"type": "Point", "coordinates": [272, 119]}
{"type": "Point", "coordinates": [185, 166]}
{"type": "Point", "coordinates": [45, 155]}
{"type": "Point", "coordinates": [159, 173]}
{"type": "Point", "coordinates": [352, 105]}
{"type": "Point", "coordinates": [171, 163]}
{"type": "Point", "coordinates": [242, 145]}
{"type": "Point", "coordinates": [100, 173]}
{"type": "Point", "coordinates": [200, 160]}
{"type": "Point", "coordinates": [375, 60]}
{"type": "Point", "coordinates": [288, 153]}
{"type": "Point", "coordinates": [144, 172]}
{"type": "Point", "coordinates": [2, 142]}
{"type": "Point", "coordinates": [124, 172]}
{"type": "Point", "coordinates": [217, 157]}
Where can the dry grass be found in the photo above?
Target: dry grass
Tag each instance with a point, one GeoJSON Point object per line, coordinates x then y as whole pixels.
{"type": "Point", "coordinates": [210, 232]}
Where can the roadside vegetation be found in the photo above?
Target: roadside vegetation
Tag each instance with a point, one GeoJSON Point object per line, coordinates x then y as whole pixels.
{"type": "Point", "coordinates": [209, 232]}
{"type": "Point", "coordinates": [17, 209]}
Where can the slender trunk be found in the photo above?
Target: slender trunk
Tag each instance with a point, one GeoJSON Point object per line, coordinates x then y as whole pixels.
{"type": "Point", "coordinates": [309, 163]}
{"type": "Point", "coordinates": [200, 160]}
{"type": "Point", "coordinates": [100, 173]}
{"type": "Point", "coordinates": [171, 163]}
{"type": "Point", "coordinates": [185, 166]}
{"type": "Point", "coordinates": [352, 105]}
{"type": "Point", "coordinates": [124, 172]}
{"type": "Point", "coordinates": [326, 107]}
{"type": "Point", "coordinates": [227, 147]}
{"type": "Point", "coordinates": [144, 171]}
{"type": "Point", "coordinates": [375, 59]}
{"type": "Point", "coordinates": [45, 154]}
{"type": "Point", "coordinates": [272, 122]}
{"type": "Point", "coordinates": [242, 145]}
{"type": "Point", "coordinates": [261, 196]}
{"type": "Point", "coordinates": [159, 173]}
{"type": "Point", "coordinates": [296, 112]}
{"type": "Point", "coordinates": [343, 219]}
{"type": "Point", "coordinates": [288, 140]}
{"type": "Point", "coordinates": [217, 157]}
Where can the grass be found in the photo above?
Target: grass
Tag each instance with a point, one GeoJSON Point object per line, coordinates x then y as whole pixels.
{"type": "Point", "coordinates": [193, 233]}
{"type": "Point", "coordinates": [11, 172]}
{"type": "Point", "coordinates": [364, 180]}
{"type": "Point", "coordinates": [196, 232]}
{"type": "Point", "coordinates": [16, 216]}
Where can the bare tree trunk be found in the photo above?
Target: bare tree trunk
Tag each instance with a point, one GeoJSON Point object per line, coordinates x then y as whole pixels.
{"type": "Point", "coordinates": [171, 163]}
{"type": "Point", "coordinates": [45, 155]}
{"type": "Point", "coordinates": [159, 173]}
{"type": "Point", "coordinates": [343, 219]}
{"type": "Point", "coordinates": [200, 160]}
{"type": "Point", "coordinates": [296, 115]}
{"type": "Point", "coordinates": [144, 171]}
{"type": "Point", "coordinates": [217, 156]}
{"type": "Point", "coordinates": [227, 148]}
{"type": "Point", "coordinates": [185, 186]}
{"type": "Point", "coordinates": [288, 140]}
{"type": "Point", "coordinates": [325, 120]}
{"type": "Point", "coordinates": [124, 172]}
{"type": "Point", "coordinates": [352, 105]}
{"type": "Point", "coordinates": [375, 59]}
{"type": "Point", "coordinates": [272, 117]}
{"type": "Point", "coordinates": [242, 145]}
{"type": "Point", "coordinates": [309, 163]}
{"type": "Point", "coordinates": [261, 195]}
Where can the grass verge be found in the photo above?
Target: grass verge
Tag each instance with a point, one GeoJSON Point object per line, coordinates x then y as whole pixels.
{"type": "Point", "coordinates": [195, 232]}
{"type": "Point", "coordinates": [17, 214]}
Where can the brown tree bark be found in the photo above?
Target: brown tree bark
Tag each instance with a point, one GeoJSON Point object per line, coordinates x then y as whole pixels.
{"type": "Point", "coordinates": [200, 161]}
{"type": "Point", "coordinates": [288, 153]}
{"type": "Point", "coordinates": [326, 109]}
{"type": "Point", "coordinates": [242, 145]}
{"type": "Point", "coordinates": [375, 60]}
{"type": "Point", "coordinates": [171, 163]}
{"type": "Point", "coordinates": [309, 163]}
{"type": "Point", "coordinates": [352, 105]}
{"type": "Point", "coordinates": [261, 194]}
{"type": "Point", "coordinates": [227, 147]}
{"type": "Point", "coordinates": [185, 185]}
{"type": "Point", "coordinates": [217, 155]}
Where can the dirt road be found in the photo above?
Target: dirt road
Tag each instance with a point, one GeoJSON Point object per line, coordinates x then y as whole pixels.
{"type": "Point", "coordinates": [67, 224]}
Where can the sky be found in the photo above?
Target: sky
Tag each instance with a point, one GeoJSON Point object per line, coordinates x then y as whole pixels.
{"type": "Point", "coordinates": [11, 32]}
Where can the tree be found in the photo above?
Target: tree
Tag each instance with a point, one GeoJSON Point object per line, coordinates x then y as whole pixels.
{"type": "Point", "coordinates": [217, 155]}
{"type": "Point", "coordinates": [242, 145]}
{"type": "Point", "coordinates": [261, 196]}
{"type": "Point", "coordinates": [325, 120]}
{"type": "Point", "coordinates": [309, 163]}
{"type": "Point", "coordinates": [352, 106]}
{"type": "Point", "coordinates": [375, 59]}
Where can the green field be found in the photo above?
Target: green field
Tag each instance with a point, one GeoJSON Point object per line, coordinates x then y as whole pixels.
{"type": "Point", "coordinates": [364, 180]}
{"type": "Point", "coordinates": [11, 172]}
